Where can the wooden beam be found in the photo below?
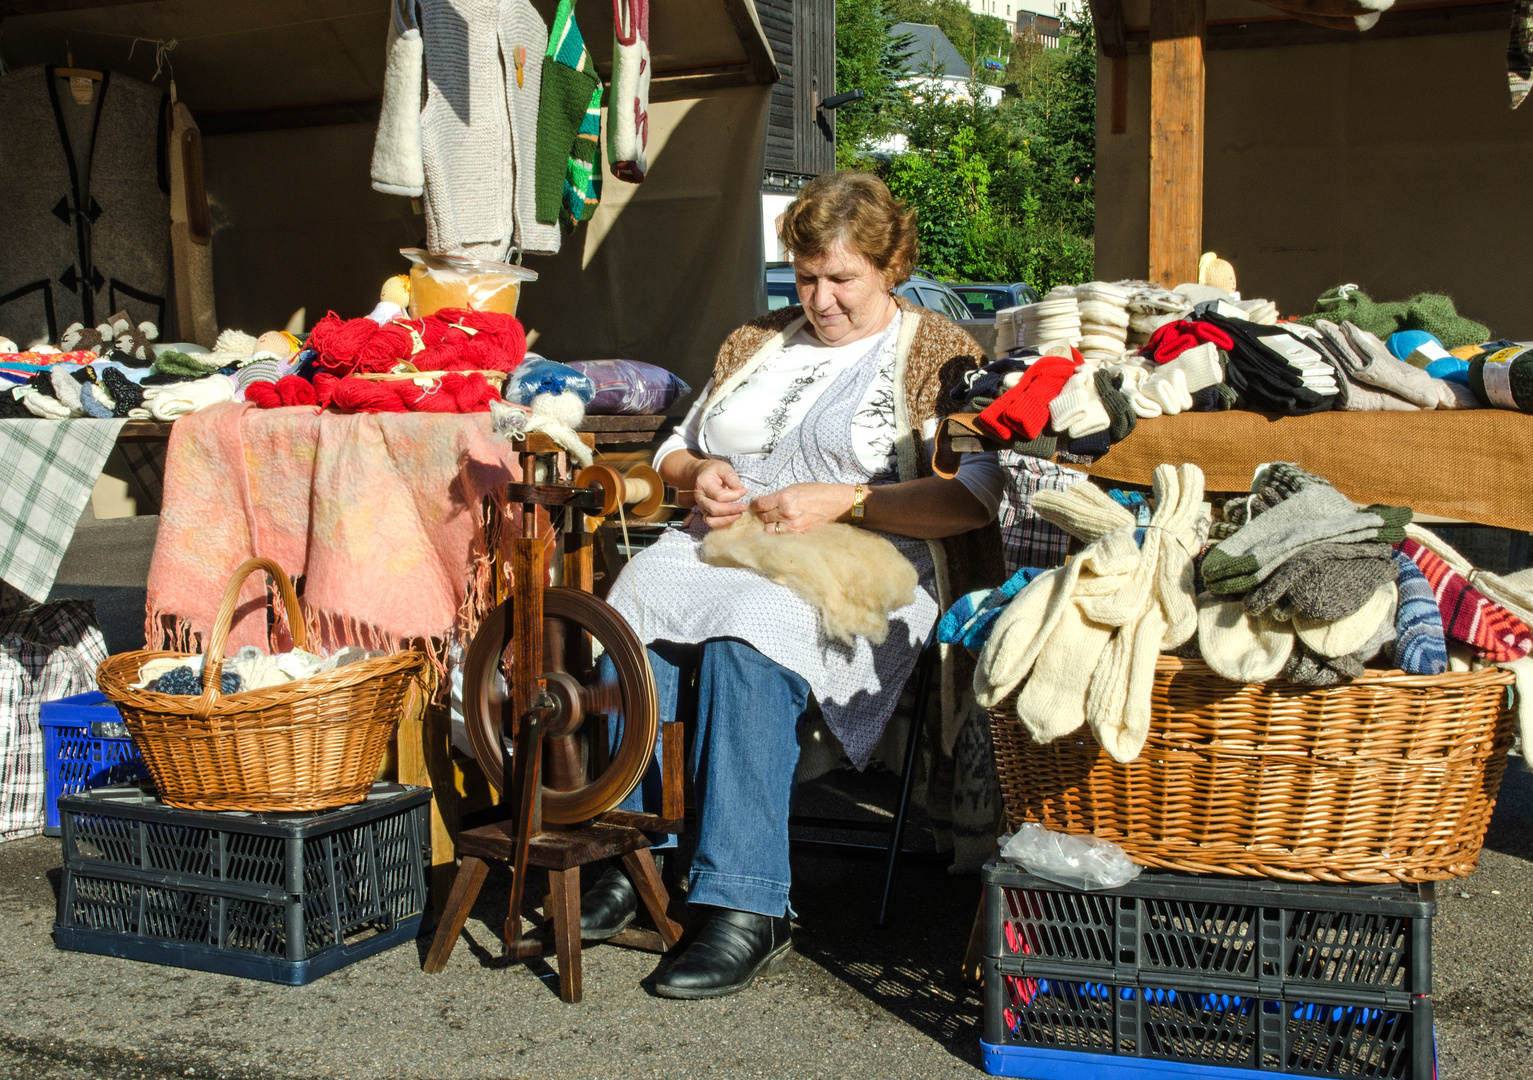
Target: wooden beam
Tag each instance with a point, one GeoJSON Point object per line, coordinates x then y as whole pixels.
{"type": "Point", "coordinates": [1107, 20]}
{"type": "Point", "coordinates": [48, 7]}
{"type": "Point", "coordinates": [758, 51]}
{"type": "Point", "coordinates": [678, 87]}
{"type": "Point", "coordinates": [1119, 121]}
{"type": "Point", "coordinates": [1177, 29]}
{"type": "Point", "coordinates": [1277, 30]}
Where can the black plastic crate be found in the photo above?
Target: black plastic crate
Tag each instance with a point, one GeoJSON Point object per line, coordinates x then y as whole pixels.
{"type": "Point", "coordinates": [1044, 1028]}
{"type": "Point", "coordinates": [281, 897]}
{"type": "Point", "coordinates": [1370, 944]}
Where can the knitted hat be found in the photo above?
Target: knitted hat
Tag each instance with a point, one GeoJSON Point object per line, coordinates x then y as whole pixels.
{"type": "Point", "coordinates": [569, 83]}
{"type": "Point", "coordinates": [1504, 379]}
{"type": "Point", "coordinates": [1338, 637]}
{"type": "Point", "coordinates": [1240, 646]}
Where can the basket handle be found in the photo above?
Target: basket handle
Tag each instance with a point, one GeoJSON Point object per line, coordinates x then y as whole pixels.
{"type": "Point", "coordinates": [213, 655]}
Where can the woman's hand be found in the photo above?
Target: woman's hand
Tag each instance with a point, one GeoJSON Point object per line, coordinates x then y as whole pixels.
{"type": "Point", "coordinates": [718, 492]}
{"type": "Point", "coordinates": [799, 507]}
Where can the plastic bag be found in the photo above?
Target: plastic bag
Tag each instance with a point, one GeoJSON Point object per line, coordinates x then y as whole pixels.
{"type": "Point", "coordinates": [1081, 862]}
{"type": "Point", "coordinates": [539, 376]}
{"type": "Point", "coordinates": [630, 387]}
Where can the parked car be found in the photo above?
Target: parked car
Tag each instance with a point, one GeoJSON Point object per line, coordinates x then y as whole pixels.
{"type": "Point", "coordinates": [985, 298]}
{"type": "Point", "coordinates": [922, 289]}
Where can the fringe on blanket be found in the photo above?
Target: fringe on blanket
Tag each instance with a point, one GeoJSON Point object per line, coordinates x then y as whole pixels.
{"type": "Point", "coordinates": [327, 631]}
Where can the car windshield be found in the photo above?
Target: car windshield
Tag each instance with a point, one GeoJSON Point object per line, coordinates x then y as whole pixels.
{"type": "Point", "coordinates": [982, 302]}
{"type": "Point", "coordinates": [781, 294]}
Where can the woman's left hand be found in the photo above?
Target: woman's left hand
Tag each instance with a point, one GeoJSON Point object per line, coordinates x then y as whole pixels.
{"type": "Point", "coordinates": [799, 507]}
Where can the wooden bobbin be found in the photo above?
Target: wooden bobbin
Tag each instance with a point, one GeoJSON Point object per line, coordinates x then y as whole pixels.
{"type": "Point", "coordinates": [640, 489]}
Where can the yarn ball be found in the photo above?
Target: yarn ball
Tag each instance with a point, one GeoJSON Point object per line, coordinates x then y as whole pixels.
{"type": "Point", "coordinates": [183, 680]}
{"type": "Point", "coordinates": [1513, 371]}
{"type": "Point", "coordinates": [349, 346]}
{"type": "Point", "coordinates": [366, 396]}
{"type": "Point", "coordinates": [452, 393]}
{"type": "Point", "coordinates": [1404, 342]}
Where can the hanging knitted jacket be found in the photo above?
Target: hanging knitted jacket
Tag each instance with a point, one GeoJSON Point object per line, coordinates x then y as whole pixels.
{"type": "Point", "coordinates": [87, 221]}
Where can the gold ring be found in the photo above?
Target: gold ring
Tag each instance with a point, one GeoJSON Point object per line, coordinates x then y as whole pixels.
{"type": "Point", "coordinates": [779, 528]}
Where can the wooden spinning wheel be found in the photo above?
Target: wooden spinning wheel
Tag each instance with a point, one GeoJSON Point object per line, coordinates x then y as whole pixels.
{"type": "Point", "coordinates": [539, 722]}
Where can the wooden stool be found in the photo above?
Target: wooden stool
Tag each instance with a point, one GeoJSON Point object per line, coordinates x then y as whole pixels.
{"type": "Point", "coordinates": [562, 854]}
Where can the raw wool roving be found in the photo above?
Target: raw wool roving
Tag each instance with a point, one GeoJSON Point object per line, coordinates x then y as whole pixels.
{"type": "Point", "coordinates": [853, 577]}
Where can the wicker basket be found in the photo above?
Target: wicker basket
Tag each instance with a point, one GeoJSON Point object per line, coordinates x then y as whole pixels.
{"type": "Point", "coordinates": [306, 745]}
{"type": "Point", "coordinates": [1390, 777]}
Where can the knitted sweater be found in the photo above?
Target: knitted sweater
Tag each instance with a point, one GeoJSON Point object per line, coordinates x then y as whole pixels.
{"type": "Point", "coordinates": [930, 358]}
{"type": "Point", "coordinates": [479, 127]}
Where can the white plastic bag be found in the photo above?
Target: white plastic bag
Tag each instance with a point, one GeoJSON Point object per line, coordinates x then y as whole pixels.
{"type": "Point", "coordinates": [1081, 862]}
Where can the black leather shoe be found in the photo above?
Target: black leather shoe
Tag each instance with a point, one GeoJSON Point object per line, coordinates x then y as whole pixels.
{"type": "Point", "coordinates": [609, 905]}
{"type": "Point", "coordinates": [727, 955]}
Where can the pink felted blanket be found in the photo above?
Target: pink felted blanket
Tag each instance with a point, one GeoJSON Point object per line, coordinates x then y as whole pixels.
{"type": "Point", "coordinates": [380, 513]}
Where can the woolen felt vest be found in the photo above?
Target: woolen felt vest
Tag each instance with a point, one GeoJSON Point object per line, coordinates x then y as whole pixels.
{"type": "Point", "coordinates": [87, 234]}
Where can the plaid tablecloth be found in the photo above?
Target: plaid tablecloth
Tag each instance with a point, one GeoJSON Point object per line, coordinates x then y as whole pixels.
{"type": "Point", "coordinates": [47, 651]}
{"type": "Point", "coordinates": [47, 471]}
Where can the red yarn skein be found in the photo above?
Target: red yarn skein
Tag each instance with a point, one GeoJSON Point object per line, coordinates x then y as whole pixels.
{"type": "Point", "coordinates": [295, 390]}
{"type": "Point", "coordinates": [366, 396]}
{"type": "Point", "coordinates": [347, 346]}
{"type": "Point", "coordinates": [324, 389]}
{"type": "Point", "coordinates": [263, 395]}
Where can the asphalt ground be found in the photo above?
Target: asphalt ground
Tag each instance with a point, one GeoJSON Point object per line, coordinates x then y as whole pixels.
{"type": "Point", "coordinates": [853, 1001]}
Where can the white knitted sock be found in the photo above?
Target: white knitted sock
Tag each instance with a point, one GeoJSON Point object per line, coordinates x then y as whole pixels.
{"type": "Point", "coordinates": [1083, 510]}
{"type": "Point", "coordinates": [1239, 646]}
{"type": "Point", "coordinates": [1020, 632]}
{"type": "Point", "coordinates": [1053, 700]}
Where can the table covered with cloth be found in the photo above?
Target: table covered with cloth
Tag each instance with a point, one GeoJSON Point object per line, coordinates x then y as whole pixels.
{"type": "Point", "coordinates": [1465, 466]}
{"type": "Point", "coordinates": [381, 515]}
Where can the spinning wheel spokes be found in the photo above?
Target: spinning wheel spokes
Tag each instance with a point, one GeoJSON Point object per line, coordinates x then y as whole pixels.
{"type": "Point", "coordinates": [577, 786]}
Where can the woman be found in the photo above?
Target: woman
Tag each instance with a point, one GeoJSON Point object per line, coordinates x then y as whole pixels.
{"type": "Point", "coordinates": [814, 414]}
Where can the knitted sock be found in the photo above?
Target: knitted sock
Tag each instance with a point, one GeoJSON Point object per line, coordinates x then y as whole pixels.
{"type": "Point", "coordinates": [1420, 647]}
{"type": "Point", "coordinates": [1120, 410]}
{"type": "Point", "coordinates": [1314, 515]}
{"type": "Point", "coordinates": [582, 177]}
{"type": "Point", "coordinates": [1310, 668]}
{"type": "Point", "coordinates": [1240, 646]}
{"type": "Point", "coordinates": [1173, 339]}
{"type": "Point", "coordinates": [1341, 637]}
{"type": "Point", "coordinates": [1044, 446]}
{"type": "Point", "coordinates": [66, 387]}
{"type": "Point", "coordinates": [92, 405]}
{"type": "Point", "coordinates": [1170, 388]}
{"type": "Point", "coordinates": [970, 620]}
{"type": "Point", "coordinates": [1083, 510]}
{"type": "Point", "coordinates": [569, 83]}
{"type": "Point", "coordinates": [1024, 409]}
{"type": "Point", "coordinates": [1053, 700]}
{"type": "Point", "coordinates": [1090, 446]}
{"type": "Point", "coordinates": [1467, 614]}
{"type": "Point", "coordinates": [1326, 581]}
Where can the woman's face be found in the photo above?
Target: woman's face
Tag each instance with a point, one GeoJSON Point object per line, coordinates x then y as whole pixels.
{"type": "Point", "coordinates": [844, 295]}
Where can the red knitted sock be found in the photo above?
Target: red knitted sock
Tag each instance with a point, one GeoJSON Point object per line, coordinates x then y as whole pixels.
{"type": "Point", "coordinates": [1468, 614]}
{"type": "Point", "coordinates": [1025, 407]}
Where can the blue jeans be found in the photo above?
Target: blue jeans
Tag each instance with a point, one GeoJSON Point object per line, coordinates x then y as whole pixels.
{"type": "Point", "coordinates": [748, 715]}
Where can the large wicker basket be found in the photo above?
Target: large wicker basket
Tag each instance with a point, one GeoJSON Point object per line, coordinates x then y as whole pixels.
{"type": "Point", "coordinates": [311, 744]}
{"type": "Point", "coordinates": [1390, 777]}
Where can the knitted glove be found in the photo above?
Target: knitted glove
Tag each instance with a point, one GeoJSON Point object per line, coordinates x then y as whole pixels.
{"type": "Point", "coordinates": [1377, 367]}
{"type": "Point", "coordinates": [1024, 409]}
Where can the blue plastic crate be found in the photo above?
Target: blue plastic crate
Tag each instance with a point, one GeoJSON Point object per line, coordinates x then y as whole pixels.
{"type": "Point", "coordinates": [77, 760]}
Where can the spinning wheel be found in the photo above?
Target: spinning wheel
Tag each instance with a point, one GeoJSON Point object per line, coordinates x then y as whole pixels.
{"type": "Point", "coordinates": [581, 779]}
{"type": "Point", "coordinates": [539, 723]}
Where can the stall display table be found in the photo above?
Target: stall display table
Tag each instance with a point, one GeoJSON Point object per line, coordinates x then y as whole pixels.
{"type": "Point", "coordinates": [1468, 465]}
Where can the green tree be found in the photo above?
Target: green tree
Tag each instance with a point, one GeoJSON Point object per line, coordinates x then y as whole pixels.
{"type": "Point", "coordinates": [867, 58]}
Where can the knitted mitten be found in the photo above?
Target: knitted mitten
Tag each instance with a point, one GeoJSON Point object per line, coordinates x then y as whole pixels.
{"type": "Point", "coordinates": [1467, 614]}
{"type": "Point", "coordinates": [569, 83]}
{"type": "Point", "coordinates": [1326, 581]}
{"type": "Point", "coordinates": [1314, 515]}
{"type": "Point", "coordinates": [1240, 646]}
{"type": "Point", "coordinates": [1077, 409]}
{"type": "Point", "coordinates": [1420, 648]}
{"type": "Point", "coordinates": [1340, 637]}
{"type": "Point", "coordinates": [1120, 409]}
{"type": "Point", "coordinates": [1024, 409]}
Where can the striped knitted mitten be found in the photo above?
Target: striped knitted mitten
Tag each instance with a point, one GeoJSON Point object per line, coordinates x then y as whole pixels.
{"type": "Point", "coordinates": [1467, 614]}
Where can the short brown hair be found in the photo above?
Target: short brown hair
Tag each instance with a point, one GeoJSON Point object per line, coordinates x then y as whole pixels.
{"type": "Point", "coordinates": [858, 209]}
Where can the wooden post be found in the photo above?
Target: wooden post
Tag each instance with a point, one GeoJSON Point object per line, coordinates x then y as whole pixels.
{"type": "Point", "coordinates": [1177, 34]}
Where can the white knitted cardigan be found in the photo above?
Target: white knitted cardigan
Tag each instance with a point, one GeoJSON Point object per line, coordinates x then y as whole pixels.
{"type": "Point", "coordinates": [479, 127]}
